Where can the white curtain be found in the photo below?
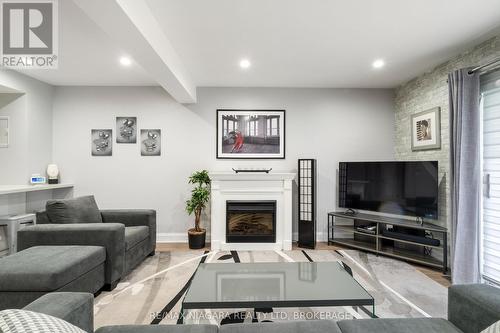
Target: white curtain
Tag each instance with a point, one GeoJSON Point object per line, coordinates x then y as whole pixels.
{"type": "Point", "coordinates": [465, 175]}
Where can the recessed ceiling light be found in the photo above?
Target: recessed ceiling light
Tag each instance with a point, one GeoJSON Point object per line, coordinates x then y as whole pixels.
{"type": "Point", "coordinates": [125, 61]}
{"type": "Point", "coordinates": [245, 63]}
{"type": "Point", "coordinates": [379, 63]}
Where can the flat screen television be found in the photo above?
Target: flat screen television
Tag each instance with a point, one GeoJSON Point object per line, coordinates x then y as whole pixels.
{"type": "Point", "coordinates": [401, 188]}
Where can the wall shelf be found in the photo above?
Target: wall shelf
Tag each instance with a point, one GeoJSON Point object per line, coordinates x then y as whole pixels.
{"type": "Point", "coordinates": [378, 243]}
{"type": "Point", "coordinates": [11, 189]}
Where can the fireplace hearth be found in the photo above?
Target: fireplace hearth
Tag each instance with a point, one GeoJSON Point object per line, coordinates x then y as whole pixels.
{"type": "Point", "coordinates": [251, 221]}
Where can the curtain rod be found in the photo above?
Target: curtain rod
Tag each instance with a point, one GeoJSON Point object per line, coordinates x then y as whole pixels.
{"type": "Point", "coordinates": [478, 68]}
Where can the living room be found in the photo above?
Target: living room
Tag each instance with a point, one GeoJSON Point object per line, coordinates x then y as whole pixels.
{"type": "Point", "coordinates": [191, 166]}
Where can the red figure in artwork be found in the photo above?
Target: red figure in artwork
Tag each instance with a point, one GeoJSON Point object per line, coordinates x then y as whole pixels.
{"type": "Point", "coordinates": [238, 141]}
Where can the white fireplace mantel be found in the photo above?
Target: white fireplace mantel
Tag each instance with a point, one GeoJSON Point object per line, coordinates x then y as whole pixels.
{"type": "Point", "coordinates": [251, 186]}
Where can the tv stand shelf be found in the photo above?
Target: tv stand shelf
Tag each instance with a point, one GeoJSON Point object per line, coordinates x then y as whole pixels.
{"type": "Point", "coordinates": [413, 249]}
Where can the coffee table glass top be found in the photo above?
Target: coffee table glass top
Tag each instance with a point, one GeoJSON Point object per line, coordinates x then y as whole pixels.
{"type": "Point", "coordinates": [224, 285]}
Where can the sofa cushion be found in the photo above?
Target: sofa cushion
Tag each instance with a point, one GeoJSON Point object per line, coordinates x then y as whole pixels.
{"type": "Point", "coordinates": [75, 308]}
{"type": "Point", "coordinates": [134, 235]}
{"type": "Point", "coordinates": [22, 321]}
{"type": "Point", "coordinates": [77, 210]}
{"type": "Point", "coordinates": [48, 268]}
{"type": "Point", "coordinates": [309, 326]}
{"type": "Point", "coordinates": [473, 307]}
{"type": "Point", "coordinates": [494, 328]}
{"type": "Point", "coordinates": [158, 329]}
{"type": "Point", "coordinates": [414, 325]}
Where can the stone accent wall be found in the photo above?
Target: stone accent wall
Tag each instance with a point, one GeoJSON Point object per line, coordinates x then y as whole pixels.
{"type": "Point", "coordinates": [428, 91]}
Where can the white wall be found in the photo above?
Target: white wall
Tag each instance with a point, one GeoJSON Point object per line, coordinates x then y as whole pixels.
{"type": "Point", "coordinates": [30, 115]}
{"type": "Point", "coordinates": [327, 124]}
{"type": "Point", "coordinates": [30, 129]}
{"type": "Point", "coordinates": [14, 159]}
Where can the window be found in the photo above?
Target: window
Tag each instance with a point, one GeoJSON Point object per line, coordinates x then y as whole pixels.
{"type": "Point", "coordinates": [253, 127]}
{"type": "Point", "coordinates": [229, 125]}
{"type": "Point", "coordinates": [224, 126]}
{"type": "Point", "coordinates": [490, 242]}
{"type": "Point", "coordinates": [272, 128]}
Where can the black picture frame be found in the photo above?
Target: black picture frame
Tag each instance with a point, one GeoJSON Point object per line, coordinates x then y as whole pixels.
{"type": "Point", "coordinates": [281, 114]}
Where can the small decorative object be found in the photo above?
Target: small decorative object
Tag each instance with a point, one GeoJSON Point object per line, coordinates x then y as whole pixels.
{"type": "Point", "coordinates": [252, 170]}
{"type": "Point", "coordinates": [150, 142]}
{"type": "Point", "coordinates": [200, 195]}
{"type": "Point", "coordinates": [53, 173]}
{"type": "Point", "coordinates": [251, 134]}
{"type": "Point", "coordinates": [4, 132]}
{"type": "Point", "coordinates": [426, 130]}
{"type": "Point", "coordinates": [37, 179]}
{"type": "Point", "coordinates": [102, 142]}
{"type": "Point", "coordinates": [126, 129]}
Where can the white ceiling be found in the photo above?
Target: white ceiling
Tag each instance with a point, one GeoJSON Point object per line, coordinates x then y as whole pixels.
{"type": "Point", "coordinates": [87, 56]}
{"type": "Point", "coordinates": [320, 43]}
{"type": "Point", "coordinates": [291, 43]}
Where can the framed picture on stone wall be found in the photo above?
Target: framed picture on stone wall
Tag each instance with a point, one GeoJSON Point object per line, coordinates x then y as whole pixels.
{"type": "Point", "coordinates": [251, 134]}
{"type": "Point", "coordinates": [426, 130]}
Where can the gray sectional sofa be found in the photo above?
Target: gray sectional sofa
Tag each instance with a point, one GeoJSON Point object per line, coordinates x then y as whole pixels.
{"type": "Point", "coordinates": [128, 236]}
{"type": "Point", "coordinates": [27, 275]}
{"type": "Point", "coordinates": [471, 309]}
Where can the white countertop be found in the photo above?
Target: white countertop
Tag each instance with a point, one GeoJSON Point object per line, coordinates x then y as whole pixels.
{"type": "Point", "coordinates": [10, 189]}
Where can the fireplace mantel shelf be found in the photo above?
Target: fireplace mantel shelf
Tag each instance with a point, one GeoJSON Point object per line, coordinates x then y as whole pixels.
{"type": "Point", "coordinates": [225, 175]}
{"type": "Point", "coordinates": [229, 186]}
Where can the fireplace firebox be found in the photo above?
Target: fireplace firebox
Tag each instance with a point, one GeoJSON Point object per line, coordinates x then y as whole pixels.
{"type": "Point", "coordinates": [251, 221]}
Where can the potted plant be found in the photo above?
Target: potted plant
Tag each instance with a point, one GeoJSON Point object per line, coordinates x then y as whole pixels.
{"type": "Point", "coordinates": [200, 195]}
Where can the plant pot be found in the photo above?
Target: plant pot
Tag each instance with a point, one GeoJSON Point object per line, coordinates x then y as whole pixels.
{"type": "Point", "coordinates": [196, 238]}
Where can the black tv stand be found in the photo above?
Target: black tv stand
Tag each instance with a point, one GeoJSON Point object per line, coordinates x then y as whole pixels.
{"type": "Point", "coordinates": [422, 243]}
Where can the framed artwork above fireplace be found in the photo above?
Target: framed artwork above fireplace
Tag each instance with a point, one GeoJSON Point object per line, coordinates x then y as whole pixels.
{"type": "Point", "coordinates": [250, 134]}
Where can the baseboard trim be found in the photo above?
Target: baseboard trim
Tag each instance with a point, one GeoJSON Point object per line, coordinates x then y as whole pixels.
{"type": "Point", "coordinates": [172, 237]}
{"type": "Point", "coordinates": [320, 237]}
{"type": "Point", "coordinates": [175, 237]}
{"type": "Point", "coordinates": [178, 237]}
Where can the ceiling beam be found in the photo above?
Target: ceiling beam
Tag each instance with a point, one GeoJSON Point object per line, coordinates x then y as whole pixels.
{"type": "Point", "coordinates": [132, 25]}
{"type": "Point", "coordinates": [8, 90]}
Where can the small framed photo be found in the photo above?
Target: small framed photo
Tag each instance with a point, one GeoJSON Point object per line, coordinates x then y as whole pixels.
{"type": "Point", "coordinates": [126, 129]}
{"type": "Point", "coordinates": [4, 132]}
{"type": "Point", "coordinates": [102, 142]}
{"type": "Point", "coordinates": [150, 142]}
{"type": "Point", "coordinates": [426, 130]}
{"type": "Point", "coordinates": [250, 134]}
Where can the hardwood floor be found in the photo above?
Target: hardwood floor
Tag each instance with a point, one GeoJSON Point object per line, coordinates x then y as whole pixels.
{"type": "Point", "coordinates": [435, 275]}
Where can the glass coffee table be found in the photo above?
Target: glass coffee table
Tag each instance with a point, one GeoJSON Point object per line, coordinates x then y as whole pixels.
{"type": "Point", "coordinates": [274, 285]}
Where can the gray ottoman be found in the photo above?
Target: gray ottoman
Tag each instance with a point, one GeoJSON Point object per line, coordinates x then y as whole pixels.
{"type": "Point", "coordinates": [29, 274]}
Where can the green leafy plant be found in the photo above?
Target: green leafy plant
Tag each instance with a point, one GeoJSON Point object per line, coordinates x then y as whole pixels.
{"type": "Point", "coordinates": [200, 195]}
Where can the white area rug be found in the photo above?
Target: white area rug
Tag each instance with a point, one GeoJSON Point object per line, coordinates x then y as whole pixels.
{"type": "Point", "coordinates": [151, 293]}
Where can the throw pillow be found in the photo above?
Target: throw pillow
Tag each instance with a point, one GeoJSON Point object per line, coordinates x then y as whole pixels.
{"type": "Point", "coordinates": [77, 210]}
{"type": "Point", "coordinates": [22, 321]}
